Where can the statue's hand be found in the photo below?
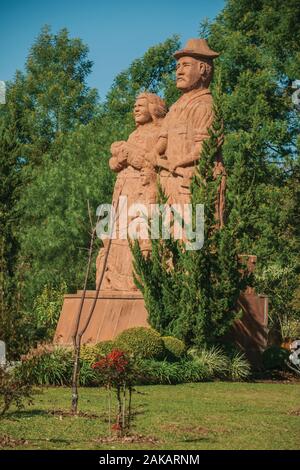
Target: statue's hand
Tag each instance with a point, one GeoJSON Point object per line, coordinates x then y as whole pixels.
{"type": "Point", "coordinates": [119, 155]}
{"type": "Point", "coordinates": [123, 155]}
{"type": "Point", "coordinates": [137, 161]}
{"type": "Point", "coordinates": [151, 157]}
{"type": "Point", "coordinates": [163, 163]}
{"type": "Point", "coordinates": [116, 146]}
{"type": "Point", "coordinates": [115, 165]}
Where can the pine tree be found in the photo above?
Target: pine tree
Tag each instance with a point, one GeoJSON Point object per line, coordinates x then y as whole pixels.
{"type": "Point", "coordinates": [193, 294]}
{"type": "Point", "coordinates": [259, 46]}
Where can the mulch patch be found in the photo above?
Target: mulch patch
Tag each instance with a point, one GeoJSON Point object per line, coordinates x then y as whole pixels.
{"type": "Point", "coordinates": [130, 439]}
{"type": "Point", "coordinates": [7, 441]}
{"type": "Point", "coordinates": [295, 412]}
{"type": "Point", "coordinates": [68, 414]}
{"type": "Point", "coordinates": [178, 428]}
{"type": "Point", "coordinates": [278, 377]}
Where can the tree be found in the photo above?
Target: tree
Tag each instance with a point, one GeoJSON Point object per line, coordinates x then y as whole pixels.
{"type": "Point", "coordinates": [73, 167]}
{"type": "Point", "coordinates": [192, 294]}
{"type": "Point", "coordinates": [9, 193]}
{"type": "Point", "coordinates": [52, 97]}
{"type": "Point", "coordinates": [259, 45]}
{"type": "Point", "coordinates": [44, 105]}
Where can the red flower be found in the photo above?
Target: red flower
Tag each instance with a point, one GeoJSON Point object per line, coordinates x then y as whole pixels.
{"type": "Point", "coordinates": [114, 361]}
{"type": "Point", "coordinates": [116, 427]}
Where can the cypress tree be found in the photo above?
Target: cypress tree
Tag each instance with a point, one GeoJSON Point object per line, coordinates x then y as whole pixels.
{"type": "Point", "coordinates": [192, 294]}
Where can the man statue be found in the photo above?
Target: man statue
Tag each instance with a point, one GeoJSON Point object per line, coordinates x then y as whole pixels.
{"type": "Point", "coordinates": [186, 126]}
{"type": "Point", "coordinates": [137, 181]}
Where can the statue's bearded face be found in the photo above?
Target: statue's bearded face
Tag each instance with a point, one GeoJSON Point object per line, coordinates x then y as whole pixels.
{"type": "Point", "coordinates": [141, 111]}
{"type": "Point", "coordinates": [189, 72]}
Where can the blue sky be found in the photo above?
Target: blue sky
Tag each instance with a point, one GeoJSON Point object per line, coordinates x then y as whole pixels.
{"type": "Point", "coordinates": [117, 32]}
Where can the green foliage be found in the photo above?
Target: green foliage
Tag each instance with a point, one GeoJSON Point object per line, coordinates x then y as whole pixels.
{"type": "Point", "coordinates": [159, 372]}
{"type": "Point", "coordinates": [13, 391]}
{"type": "Point", "coordinates": [11, 327]}
{"type": "Point", "coordinates": [154, 72]}
{"type": "Point", "coordinates": [52, 365]}
{"type": "Point", "coordinates": [87, 376]}
{"type": "Point", "coordinates": [89, 353]}
{"type": "Point", "coordinates": [45, 103]}
{"type": "Point", "coordinates": [213, 359]}
{"type": "Point", "coordinates": [56, 223]}
{"type": "Point", "coordinates": [281, 282]}
{"type": "Point", "coordinates": [105, 347]}
{"type": "Point", "coordinates": [217, 363]}
{"type": "Point", "coordinates": [46, 365]}
{"type": "Point", "coordinates": [275, 357]}
{"type": "Point", "coordinates": [55, 158]}
{"type": "Point", "coordinates": [153, 372]}
{"type": "Point", "coordinates": [47, 308]}
{"type": "Point", "coordinates": [259, 46]}
{"type": "Point", "coordinates": [92, 352]}
{"type": "Point", "coordinates": [51, 98]}
{"type": "Point", "coordinates": [175, 348]}
{"type": "Point", "coordinates": [238, 367]}
{"type": "Point", "coordinates": [141, 342]}
{"type": "Point", "coordinates": [54, 148]}
{"type": "Point", "coordinates": [195, 300]}
{"type": "Point", "coordinates": [195, 371]}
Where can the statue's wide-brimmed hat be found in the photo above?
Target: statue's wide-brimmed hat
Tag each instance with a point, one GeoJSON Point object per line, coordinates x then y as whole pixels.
{"type": "Point", "coordinates": [197, 48]}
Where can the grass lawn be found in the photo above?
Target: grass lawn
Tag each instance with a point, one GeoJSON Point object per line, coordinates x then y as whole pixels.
{"type": "Point", "coordinates": [217, 415]}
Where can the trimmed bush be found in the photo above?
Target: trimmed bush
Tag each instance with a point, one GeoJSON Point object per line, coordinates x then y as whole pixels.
{"type": "Point", "coordinates": [142, 342]}
{"type": "Point", "coordinates": [275, 357]}
{"type": "Point", "coordinates": [175, 348]}
{"type": "Point", "coordinates": [89, 353]}
{"type": "Point", "coordinates": [105, 347]}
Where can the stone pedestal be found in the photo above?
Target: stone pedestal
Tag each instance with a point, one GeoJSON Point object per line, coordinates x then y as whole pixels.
{"type": "Point", "coordinates": [115, 311]}
{"type": "Point", "coordinates": [250, 332]}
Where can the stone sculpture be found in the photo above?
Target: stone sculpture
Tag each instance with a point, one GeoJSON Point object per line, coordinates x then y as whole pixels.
{"type": "Point", "coordinates": [168, 145]}
{"type": "Point", "coordinates": [186, 126]}
{"type": "Point", "coordinates": [137, 181]}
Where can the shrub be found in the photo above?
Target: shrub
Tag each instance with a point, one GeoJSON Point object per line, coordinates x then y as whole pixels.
{"type": "Point", "coordinates": [213, 360]}
{"type": "Point", "coordinates": [275, 357]}
{"type": "Point", "coordinates": [153, 372]}
{"type": "Point", "coordinates": [105, 347]}
{"type": "Point", "coordinates": [238, 367]}
{"type": "Point", "coordinates": [46, 365]}
{"type": "Point", "coordinates": [13, 390]}
{"type": "Point", "coordinates": [117, 371]}
{"type": "Point", "coordinates": [87, 376]}
{"type": "Point", "coordinates": [89, 353]}
{"type": "Point", "coordinates": [194, 371]}
{"type": "Point", "coordinates": [142, 342]}
{"type": "Point", "coordinates": [92, 352]}
{"type": "Point", "coordinates": [175, 348]}
{"type": "Point", "coordinates": [53, 365]}
{"type": "Point", "coordinates": [47, 308]}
